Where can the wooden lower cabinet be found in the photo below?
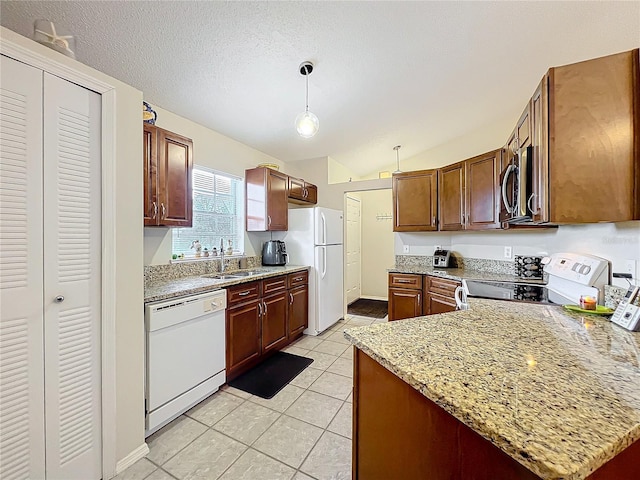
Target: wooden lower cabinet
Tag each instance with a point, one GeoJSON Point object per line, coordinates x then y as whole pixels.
{"type": "Point", "coordinates": [408, 298]}
{"type": "Point", "coordinates": [398, 433]}
{"type": "Point", "coordinates": [439, 304]}
{"type": "Point", "coordinates": [274, 321]}
{"type": "Point", "coordinates": [439, 295]}
{"type": "Point", "coordinates": [404, 303]}
{"type": "Point", "coordinates": [263, 317]}
{"type": "Point", "coordinates": [243, 337]}
{"type": "Point", "coordinates": [298, 311]}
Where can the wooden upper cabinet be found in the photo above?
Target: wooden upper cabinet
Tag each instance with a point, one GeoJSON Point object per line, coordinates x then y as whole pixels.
{"type": "Point", "coordinates": [539, 204]}
{"type": "Point", "coordinates": [174, 187]}
{"type": "Point", "coordinates": [482, 191]}
{"type": "Point", "coordinates": [469, 193]}
{"type": "Point", "coordinates": [451, 194]}
{"type": "Point", "coordinates": [150, 160]}
{"type": "Point", "coordinates": [594, 140]}
{"type": "Point", "coordinates": [266, 193]}
{"type": "Point", "coordinates": [523, 129]}
{"type": "Point", "coordinates": [415, 201]}
{"type": "Point", "coordinates": [302, 192]}
{"type": "Point", "coordinates": [168, 165]}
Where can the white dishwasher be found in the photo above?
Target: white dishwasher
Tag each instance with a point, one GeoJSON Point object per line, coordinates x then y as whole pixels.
{"type": "Point", "coordinates": [185, 354]}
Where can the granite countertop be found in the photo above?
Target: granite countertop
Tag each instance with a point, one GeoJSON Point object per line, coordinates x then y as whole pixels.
{"type": "Point", "coordinates": [559, 392]}
{"type": "Point", "coordinates": [166, 289]}
{"type": "Point", "coordinates": [462, 273]}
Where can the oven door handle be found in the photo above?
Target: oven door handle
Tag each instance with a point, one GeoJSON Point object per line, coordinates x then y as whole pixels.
{"type": "Point", "coordinates": [507, 173]}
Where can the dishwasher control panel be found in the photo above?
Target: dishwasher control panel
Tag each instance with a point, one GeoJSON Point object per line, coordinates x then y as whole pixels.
{"type": "Point", "coordinates": [164, 314]}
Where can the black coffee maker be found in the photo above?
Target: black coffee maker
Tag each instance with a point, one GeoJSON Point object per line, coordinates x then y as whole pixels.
{"type": "Point", "coordinates": [274, 252]}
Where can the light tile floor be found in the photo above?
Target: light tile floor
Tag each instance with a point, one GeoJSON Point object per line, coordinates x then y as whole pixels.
{"type": "Point", "coordinates": [302, 433]}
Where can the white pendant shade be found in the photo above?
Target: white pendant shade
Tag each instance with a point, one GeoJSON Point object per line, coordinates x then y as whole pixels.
{"type": "Point", "coordinates": [307, 124]}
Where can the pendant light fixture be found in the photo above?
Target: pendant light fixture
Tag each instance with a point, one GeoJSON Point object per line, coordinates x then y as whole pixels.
{"type": "Point", "coordinates": [396, 148]}
{"type": "Point", "coordinates": [307, 123]}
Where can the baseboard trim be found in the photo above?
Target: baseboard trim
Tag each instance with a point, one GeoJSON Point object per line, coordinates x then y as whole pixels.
{"type": "Point", "coordinates": [132, 458]}
{"type": "Point", "coordinates": [371, 297]}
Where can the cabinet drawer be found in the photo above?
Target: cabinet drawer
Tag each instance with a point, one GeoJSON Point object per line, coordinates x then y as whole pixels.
{"type": "Point", "coordinates": [442, 286]}
{"type": "Point", "coordinates": [298, 278]}
{"type": "Point", "coordinates": [275, 284]}
{"type": "Point", "coordinates": [405, 280]}
{"type": "Point", "coordinates": [243, 293]}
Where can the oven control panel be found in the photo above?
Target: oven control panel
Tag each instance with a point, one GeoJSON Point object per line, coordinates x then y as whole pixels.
{"type": "Point", "coordinates": [579, 268]}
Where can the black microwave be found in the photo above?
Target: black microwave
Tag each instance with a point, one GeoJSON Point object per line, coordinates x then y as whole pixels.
{"type": "Point", "coordinates": [516, 188]}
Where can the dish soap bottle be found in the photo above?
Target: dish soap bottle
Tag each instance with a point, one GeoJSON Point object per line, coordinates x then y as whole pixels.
{"type": "Point", "coordinates": [229, 248]}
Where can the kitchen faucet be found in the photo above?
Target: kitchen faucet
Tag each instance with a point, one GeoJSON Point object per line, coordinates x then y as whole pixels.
{"type": "Point", "coordinates": [221, 255]}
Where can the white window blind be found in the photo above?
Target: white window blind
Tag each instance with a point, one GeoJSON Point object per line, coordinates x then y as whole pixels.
{"type": "Point", "coordinates": [217, 213]}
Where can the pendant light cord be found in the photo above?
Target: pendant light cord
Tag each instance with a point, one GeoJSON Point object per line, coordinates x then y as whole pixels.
{"type": "Point", "coordinates": [306, 69]}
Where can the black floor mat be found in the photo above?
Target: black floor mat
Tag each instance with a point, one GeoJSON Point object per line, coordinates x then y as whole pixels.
{"type": "Point", "coordinates": [369, 308]}
{"type": "Point", "coordinates": [272, 375]}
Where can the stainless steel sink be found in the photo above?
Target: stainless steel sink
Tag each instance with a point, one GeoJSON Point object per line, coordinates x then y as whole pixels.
{"type": "Point", "coordinates": [233, 275]}
{"type": "Point", "coordinates": [222, 277]}
{"type": "Point", "coordinates": [246, 273]}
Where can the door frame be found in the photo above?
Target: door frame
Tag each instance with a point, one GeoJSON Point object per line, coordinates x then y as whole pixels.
{"type": "Point", "coordinates": [108, 261]}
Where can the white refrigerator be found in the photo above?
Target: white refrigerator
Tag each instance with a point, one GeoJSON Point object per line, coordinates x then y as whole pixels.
{"type": "Point", "coordinates": [315, 238]}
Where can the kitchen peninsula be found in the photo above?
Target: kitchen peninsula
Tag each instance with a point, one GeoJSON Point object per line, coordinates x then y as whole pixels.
{"type": "Point", "coordinates": [503, 390]}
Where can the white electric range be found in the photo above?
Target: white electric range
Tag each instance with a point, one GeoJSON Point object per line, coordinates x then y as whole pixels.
{"type": "Point", "coordinates": [570, 275]}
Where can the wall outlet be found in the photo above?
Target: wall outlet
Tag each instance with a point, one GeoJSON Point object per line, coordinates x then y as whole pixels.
{"type": "Point", "coordinates": [437, 247]}
{"type": "Point", "coordinates": [405, 249]}
{"type": "Point", "coordinates": [629, 266]}
{"type": "Point", "coordinates": [507, 252]}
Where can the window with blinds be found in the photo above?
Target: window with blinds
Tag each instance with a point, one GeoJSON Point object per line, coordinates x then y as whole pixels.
{"type": "Point", "coordinates": [217, 214]}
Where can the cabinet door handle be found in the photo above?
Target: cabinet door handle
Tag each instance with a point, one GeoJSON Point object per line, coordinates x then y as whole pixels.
{"type": "Point", "coordinates": [400, 280]}
{"type": "Point", "coordinates": [419, 299]}
{"type": "Point", "coordinates": [269, 218]}
{"type": "Point", "coordinates": [531, 197]}
{"type": "Point", "coordinates": [291, 298]}
{"type": "Point", "coordinates": [243, 294]}
{"type": "Point", "coordinates": [155, 210]}
{"type": "Point", "coordinates": [433, 221]}
{"type": "Point", "coordinates": [298, 279]}
{"type": "Point", "coordinates": [259, 309]}
{"type": "Point", "coordinates": [305, 192]}
{"type": "Point", "coordinates": [164, 210]}
{"type": "Point", "coordinates": [265, 307]}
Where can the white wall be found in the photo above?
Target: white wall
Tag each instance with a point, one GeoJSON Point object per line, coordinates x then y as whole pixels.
{"type": "Point", "coordinates": [377, 242]}
{"type": "Point", "coordinates": [213, 150]}
{"type": "Point", "coordinates": [617, 242]}
{"type": "Point", "coordinates": [338, 173]}
{"type": "Point", "coordinates": [128, 254]}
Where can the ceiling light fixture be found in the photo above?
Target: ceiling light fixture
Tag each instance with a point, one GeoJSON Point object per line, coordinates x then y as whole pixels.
{"type": "Point", "coordinates": [396, 148]}
{"type": "Point", "coordinates": [307, 123]}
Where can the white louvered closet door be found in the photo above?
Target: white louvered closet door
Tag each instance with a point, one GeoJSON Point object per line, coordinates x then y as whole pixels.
{"type": "Point", "coordinates": [72, 243]}
{"type": "Point", "coordinates": [22, 450]}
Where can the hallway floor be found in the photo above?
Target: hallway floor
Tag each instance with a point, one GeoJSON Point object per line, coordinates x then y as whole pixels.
{"type": "Point", "coordinates": [304, 432]}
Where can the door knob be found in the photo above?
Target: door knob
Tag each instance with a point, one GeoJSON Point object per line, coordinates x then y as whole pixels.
{"type": "Point", "coordinates": [59, 299]}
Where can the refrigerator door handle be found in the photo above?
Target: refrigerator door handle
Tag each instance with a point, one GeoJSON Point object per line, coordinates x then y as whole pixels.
{"type": "Point", "coordinates": [324, 261]}
{"type": "Point", "coordinates": [324, 228]}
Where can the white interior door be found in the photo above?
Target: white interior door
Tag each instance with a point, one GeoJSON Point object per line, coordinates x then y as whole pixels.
{"type": "Point", "coordinates": [353, 249]}
{"type": "Point", "coordinates": [22, 452]}
{"type": "Point", "coordinates": [72, 243]}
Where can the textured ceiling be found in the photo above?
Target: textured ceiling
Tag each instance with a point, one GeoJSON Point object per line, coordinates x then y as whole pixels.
{"type": "Point", "coordinates": [411, 73]}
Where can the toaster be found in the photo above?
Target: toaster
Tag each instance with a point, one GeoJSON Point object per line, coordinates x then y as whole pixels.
{"type": "Point", "coordinates": [441, 258]}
